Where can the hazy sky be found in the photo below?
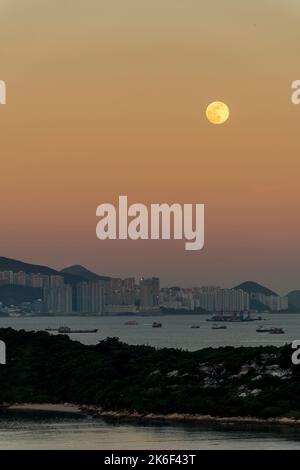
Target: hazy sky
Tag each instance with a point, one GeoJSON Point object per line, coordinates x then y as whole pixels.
{"type": "Point", "coordinates": [108, 98]}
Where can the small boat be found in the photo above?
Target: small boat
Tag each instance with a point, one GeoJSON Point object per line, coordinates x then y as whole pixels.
{"type": "Point", "coordinates": [195, 326]}
{"type": "Point", "coordinates": [263, 329]}
{"type": "Point", "coordinates": [276, 331]}
{"type": "Point", "coordinates": [156, 324]}
{"type": "Point", "coordinates": [219, 327]}
{"type": "Point", "coordinates": [131, 323]}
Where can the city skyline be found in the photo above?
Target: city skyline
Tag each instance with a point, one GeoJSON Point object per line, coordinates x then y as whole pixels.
{"type": "Point", "coordinates": [60, 272]}
{"type": "Point", "coordinates": [57, 295]}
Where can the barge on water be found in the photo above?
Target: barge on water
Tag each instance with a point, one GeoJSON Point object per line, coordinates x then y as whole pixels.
{"type": "Point", "coordinates": [66, 329]}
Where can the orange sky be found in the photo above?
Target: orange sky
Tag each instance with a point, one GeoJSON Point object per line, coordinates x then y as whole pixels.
{"type": "Point", "coordinates": [109, 97]}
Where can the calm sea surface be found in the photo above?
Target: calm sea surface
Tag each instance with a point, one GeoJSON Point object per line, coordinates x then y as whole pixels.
{"type": "Point", "coordinates": [60, 431]}
{"type": "Point", "coordinates": [42, 431]}
{"type": "Point", "coordinates": [176, 331]}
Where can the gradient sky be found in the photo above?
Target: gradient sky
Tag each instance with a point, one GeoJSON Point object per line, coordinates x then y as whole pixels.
{"type": "Point", "coordinates": [108, 98]}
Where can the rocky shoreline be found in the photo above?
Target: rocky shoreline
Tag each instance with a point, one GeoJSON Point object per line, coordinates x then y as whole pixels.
{"type": "Point", "coordinates": [172, 418]}
{"type": "Point", "coordinates": [185, 418]}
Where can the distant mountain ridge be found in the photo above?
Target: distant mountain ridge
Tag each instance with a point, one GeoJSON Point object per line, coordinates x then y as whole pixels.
{"type": "Point", "coordinates": [72, 274]}
{"type": "Point", "coordinates": [78, 270]}
{"type": "Point", "coordinates": [12, 294]}
{"type": "Point", "coordinates": [9, 264]}
{"type": "Point", "coordinates": [77, 273]}
{"type": "Point", "coordinates": [254, 287]}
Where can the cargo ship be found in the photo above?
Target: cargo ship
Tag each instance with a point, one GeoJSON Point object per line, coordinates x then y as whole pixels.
{"type": "Point", "coordinates": [66, 329]}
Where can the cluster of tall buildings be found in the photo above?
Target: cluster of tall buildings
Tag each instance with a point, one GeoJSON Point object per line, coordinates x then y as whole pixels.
{"type": "Point", "coordinates": [84, 297]}
{"type": "Point", "coordinates": [115, 295]}
{"type": "Point", "coordinates": [127, 292]}
{"type": "Point", "coordinates": [275, 303]}
{"type": "Point", "coordinates": [121, 291]}
{"type": "Point", "coordinates": [215, 299]}
{"type": "Point", "coordinates": [209, 298]}
{"type": "Point", "coordinates": [20, 278]}
{"type": "Point", "coordinates": [58, 297]}
{"type": "Point", "coordinates": [111, 295]}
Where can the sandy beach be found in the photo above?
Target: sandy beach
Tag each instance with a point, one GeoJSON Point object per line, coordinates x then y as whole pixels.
{"type": "Point", "coordinates": [47, 407]}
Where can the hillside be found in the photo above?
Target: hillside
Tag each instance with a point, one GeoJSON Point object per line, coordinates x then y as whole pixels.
{"type": "Point", "coordinates": [8, 264]}
{"type": "Point", "coordinates": [294, 298]}
{"type": "Point", "coordinates": [81, 271]}
{"type": "Point", "coordinates": [254, 287]}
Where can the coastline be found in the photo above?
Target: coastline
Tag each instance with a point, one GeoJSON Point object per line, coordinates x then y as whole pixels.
{"type": "Point", "coordinates": [44, 407]}
{"type": "Point", "coordinates": [171, 418]}
{"type": "Point", "coordinates": [187, 418]}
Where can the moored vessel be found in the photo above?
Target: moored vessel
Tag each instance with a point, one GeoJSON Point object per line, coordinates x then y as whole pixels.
{"type": "Point", "coordinates": [276, 331]}
{"type": "Point", "coordinates": [263, 329]}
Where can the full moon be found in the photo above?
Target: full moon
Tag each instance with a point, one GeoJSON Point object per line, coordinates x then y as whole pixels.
{"type": "Point", "coordinates": [217, 112]}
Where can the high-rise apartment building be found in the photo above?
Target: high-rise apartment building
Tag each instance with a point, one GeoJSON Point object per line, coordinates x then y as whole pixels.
{"type": "Point", "coordinates": [21, 278]}
{"type": "Point", "coordinates": [222, 300]}
{"type": "Point", "coordinates": [56, 281]}
{"type": "Point", "coordinates": [122, 291]}
{"type": "Point", "coordinates": [149, 292]}
{"type": "Point", "coordinates": [58, 299]}
{"type": "Point", "coordinates": [39, 280]}
{"type": "Point", "coordinates": [90, 297]}
{"type": "Point", "coordinates": [6, 277]}
{"type": "Point", "coordinates": [276, 303]}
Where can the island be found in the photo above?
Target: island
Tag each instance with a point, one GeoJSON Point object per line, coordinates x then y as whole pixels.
{"type": "Point", "coordinates": [120, 380]}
